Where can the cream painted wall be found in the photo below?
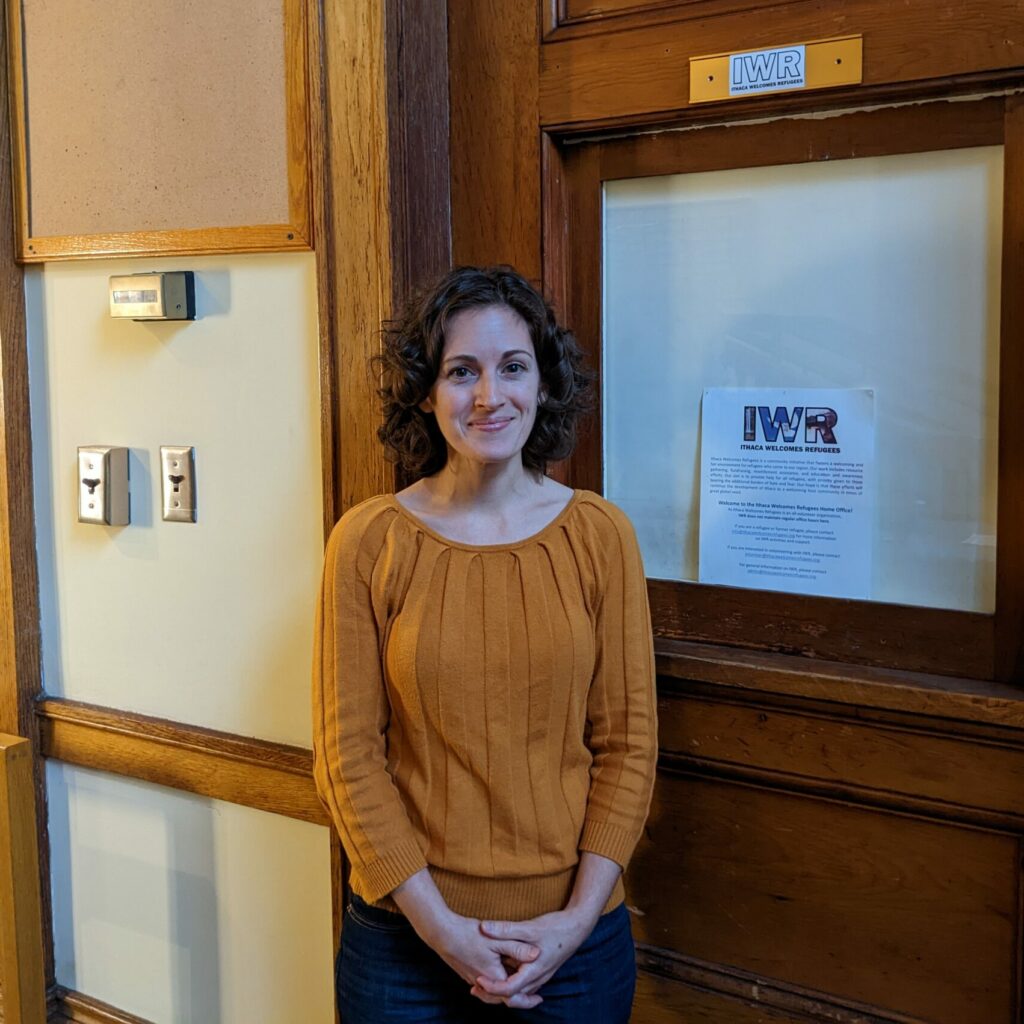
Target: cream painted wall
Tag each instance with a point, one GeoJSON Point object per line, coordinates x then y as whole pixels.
{"type": "Point", "coordinates": [208, 623]}
{"type": "Point", "coordinates": [167, 905]}
{"type": "Point", "coordinates": [183, 909]}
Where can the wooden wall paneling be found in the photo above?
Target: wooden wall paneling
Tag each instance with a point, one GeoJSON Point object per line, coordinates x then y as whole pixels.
{"type": "Point", "coordinates": [910, 128]}
{"type": "Point", "coordinates": [864, 907]}
{"type": "Point", "coordinates": [418, 157]}
{"type": "Point", "coordinates": [330, 252]}
{"type": "Point", "coordinates": [22, 966]}
{"type": "Point", "coordinates": [642, 75]}
{"type": "Point", "coordinates": [1010, 530]}
{"type": "Point", "coordinates": [418, 133]}
{"type": "Point", "coordinates": [495, 141]}
{"type": "Point", "coordinates": [385, 207]}
{"type": "Point", "coordinates": [327, 245]}
{"type": "Point", "coordinates": [958, 706]}
{"type": "Point", "coordinates": [564, 19]}
{"type": "Point", "coordinates": [727, 995]}
{"type": "Point", "coordinates": [358, 267]}
{"type": "Point", "coordinates": [254, 773]}
{"type": "Point", "coordinates": [20, 679]}
{"type": "Point", "coordinates": [866, 633]}
{"type": "Point", "coordinates": [572, 278]}
{"type": "Point", "coordinates": [969, 779]}
{"type": "Point", "coordinates": [20, 656]}
{"type": "Point", "coordinates": [665, 999]}
{"type": "Point", "coordinates": [382, 207]}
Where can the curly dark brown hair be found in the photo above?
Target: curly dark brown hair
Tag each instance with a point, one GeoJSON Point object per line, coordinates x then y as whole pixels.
{"type": "Point", "coordinates": [410, 362]}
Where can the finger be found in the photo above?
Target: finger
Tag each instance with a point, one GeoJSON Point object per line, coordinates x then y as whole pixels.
{"type": "Point", "coordinates": [483, 996]}
{"type": "Point", "coordinates": [525, 977]}
{"type": "Point", "coordinates": [521, 952]}
{"type": "Point", "coordinates": [522, 1001]}
{"type": "Point", "coordinates": [508, 930]}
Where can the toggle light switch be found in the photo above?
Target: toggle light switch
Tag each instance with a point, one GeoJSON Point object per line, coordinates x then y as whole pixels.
{"type": "Point", "coordinates": [179, 483]}
{"type": "Point", "coordinates": [103, 485]}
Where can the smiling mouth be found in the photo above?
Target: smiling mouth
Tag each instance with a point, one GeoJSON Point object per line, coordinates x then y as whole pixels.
{"type": "Point", "coordinates": [490, 424]}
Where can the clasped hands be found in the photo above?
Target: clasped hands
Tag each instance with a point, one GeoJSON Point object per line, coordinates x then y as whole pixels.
{"type": "Point", "coordinates": [508, 961]}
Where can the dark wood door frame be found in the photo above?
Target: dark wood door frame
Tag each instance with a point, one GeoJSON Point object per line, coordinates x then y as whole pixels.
{"type": "Point", "coordinates": [914, 639]}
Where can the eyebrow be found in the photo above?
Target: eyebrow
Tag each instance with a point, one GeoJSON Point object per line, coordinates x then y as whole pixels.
{"type": "Point", "coordinates": [473, 359]}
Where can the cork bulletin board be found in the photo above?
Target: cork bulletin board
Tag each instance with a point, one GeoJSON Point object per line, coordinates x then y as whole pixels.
{"type": "Point", "coordinates": [159, 127]}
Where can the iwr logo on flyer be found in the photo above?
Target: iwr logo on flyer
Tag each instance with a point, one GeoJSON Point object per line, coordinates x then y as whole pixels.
{"type": "Point", "coordinates": [767, 70]}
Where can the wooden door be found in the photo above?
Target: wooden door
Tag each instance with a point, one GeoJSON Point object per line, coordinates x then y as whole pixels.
{"type": "Point", "coordinates": [836, 833]}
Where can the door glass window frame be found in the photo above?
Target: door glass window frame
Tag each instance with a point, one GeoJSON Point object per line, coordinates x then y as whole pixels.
{"type": "Point", "coordinates": [920, 639]}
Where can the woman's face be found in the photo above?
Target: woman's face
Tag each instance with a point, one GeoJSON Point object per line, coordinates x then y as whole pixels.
{"type": "Point", "coordinates": [486, 393]}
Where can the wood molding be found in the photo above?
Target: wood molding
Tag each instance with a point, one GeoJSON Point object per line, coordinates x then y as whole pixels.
{"type": "Point", "coordinates": [20, 673]}
{"type": "Point", "coordinates": [325, 255]}
{"type": "Point", "coordinates": [734, 986]}
{"type": "Point", "coordinates": [418, 131]}
{"type": "Point", "coordinates": [837, 135]}
{"type": "Point", "coordinates": [20, 654]}
{"type": "Point", "coordinates": [603, 16]}
{"type": "Point", "coordinates": [851, 794]}
{"type": "Point", "coordinates": [22, 958]}
{"type": "Point", "coordinates": [193, 242]}
{"type": "Point", "coordinates": [75, 1008]}
{"type": "Point", "coordinates": [254, 773]}
{"type": "Point", "coordinates": [1009, 655]}
{"type": "Point", "coordinates": [495, 141]}
{"type": "Point", "coordinates": [381, 165]}
{"type": "Point", "coordinates": [912, 695]}
{"type": "Point", "coordinates": [640, 75]}
{"type": "Point", "coordinates": [358, 233]}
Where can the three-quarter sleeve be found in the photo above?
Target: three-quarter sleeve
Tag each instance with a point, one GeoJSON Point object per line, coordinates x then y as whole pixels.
{"type": "Point", "coordinates": [351, 712]}
{"type": "Point", "coordinates": [622, 728]}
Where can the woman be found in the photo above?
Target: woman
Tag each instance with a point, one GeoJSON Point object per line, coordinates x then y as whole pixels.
{"type": "Point", "coordinates": [484, 709]}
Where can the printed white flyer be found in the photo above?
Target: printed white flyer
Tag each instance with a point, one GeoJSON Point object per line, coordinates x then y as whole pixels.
{"type": "Point", "coordinates": [787, 489]}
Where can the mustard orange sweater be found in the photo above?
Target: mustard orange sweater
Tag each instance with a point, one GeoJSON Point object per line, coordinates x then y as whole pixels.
{"type": "Point", "coordinates": [484, 710]}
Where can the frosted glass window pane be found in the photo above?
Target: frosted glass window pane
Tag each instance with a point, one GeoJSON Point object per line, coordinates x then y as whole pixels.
{"type": "Point", "coordinates": [878, 273]}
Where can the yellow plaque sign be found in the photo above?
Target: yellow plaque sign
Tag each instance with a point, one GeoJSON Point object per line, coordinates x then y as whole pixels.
{"type": "Point", "coordinates": [823, 64]}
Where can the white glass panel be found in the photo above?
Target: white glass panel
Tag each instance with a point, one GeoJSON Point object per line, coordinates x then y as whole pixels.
{"type": "Point", "coordinates": [878, 273]}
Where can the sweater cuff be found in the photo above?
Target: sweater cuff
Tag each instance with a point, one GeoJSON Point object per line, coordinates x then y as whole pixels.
{"type": "Point", "coordinates": [609, 841]}
{"type": "Point", "coordinates": [390, 871]}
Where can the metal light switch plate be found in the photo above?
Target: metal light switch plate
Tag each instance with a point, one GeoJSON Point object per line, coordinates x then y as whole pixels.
{"type": "Point", "coordinates": [103, 485]}
{"type": "Point", "coordinates": [179, 483]}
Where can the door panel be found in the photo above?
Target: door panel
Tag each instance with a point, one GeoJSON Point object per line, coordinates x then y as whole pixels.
{"type": "Point", "coordinates": [905, 914]}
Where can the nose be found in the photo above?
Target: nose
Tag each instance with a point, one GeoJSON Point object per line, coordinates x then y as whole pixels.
{"type": "Point", "coordinates": [488, 391]}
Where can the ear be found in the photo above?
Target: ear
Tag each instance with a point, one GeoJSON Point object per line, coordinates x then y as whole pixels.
{"type": "Point", "coordinates": [426, 405]}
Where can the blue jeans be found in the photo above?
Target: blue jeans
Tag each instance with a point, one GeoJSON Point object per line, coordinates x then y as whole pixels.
{"type": "Point", "coordinates": [385, 972]}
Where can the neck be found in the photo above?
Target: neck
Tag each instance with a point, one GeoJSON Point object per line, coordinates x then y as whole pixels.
{"type": "Point", "coordinates": [474, 484]}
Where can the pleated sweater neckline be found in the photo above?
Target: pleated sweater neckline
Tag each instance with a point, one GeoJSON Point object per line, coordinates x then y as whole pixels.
{"type": "Point", "coordinates": [508, 546]}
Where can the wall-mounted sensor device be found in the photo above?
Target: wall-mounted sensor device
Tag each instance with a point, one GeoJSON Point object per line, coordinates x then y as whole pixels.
{"type": "Point", "coordinates": [103, 485]}
{"type": "Point", "coordinates": [158, 296]}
